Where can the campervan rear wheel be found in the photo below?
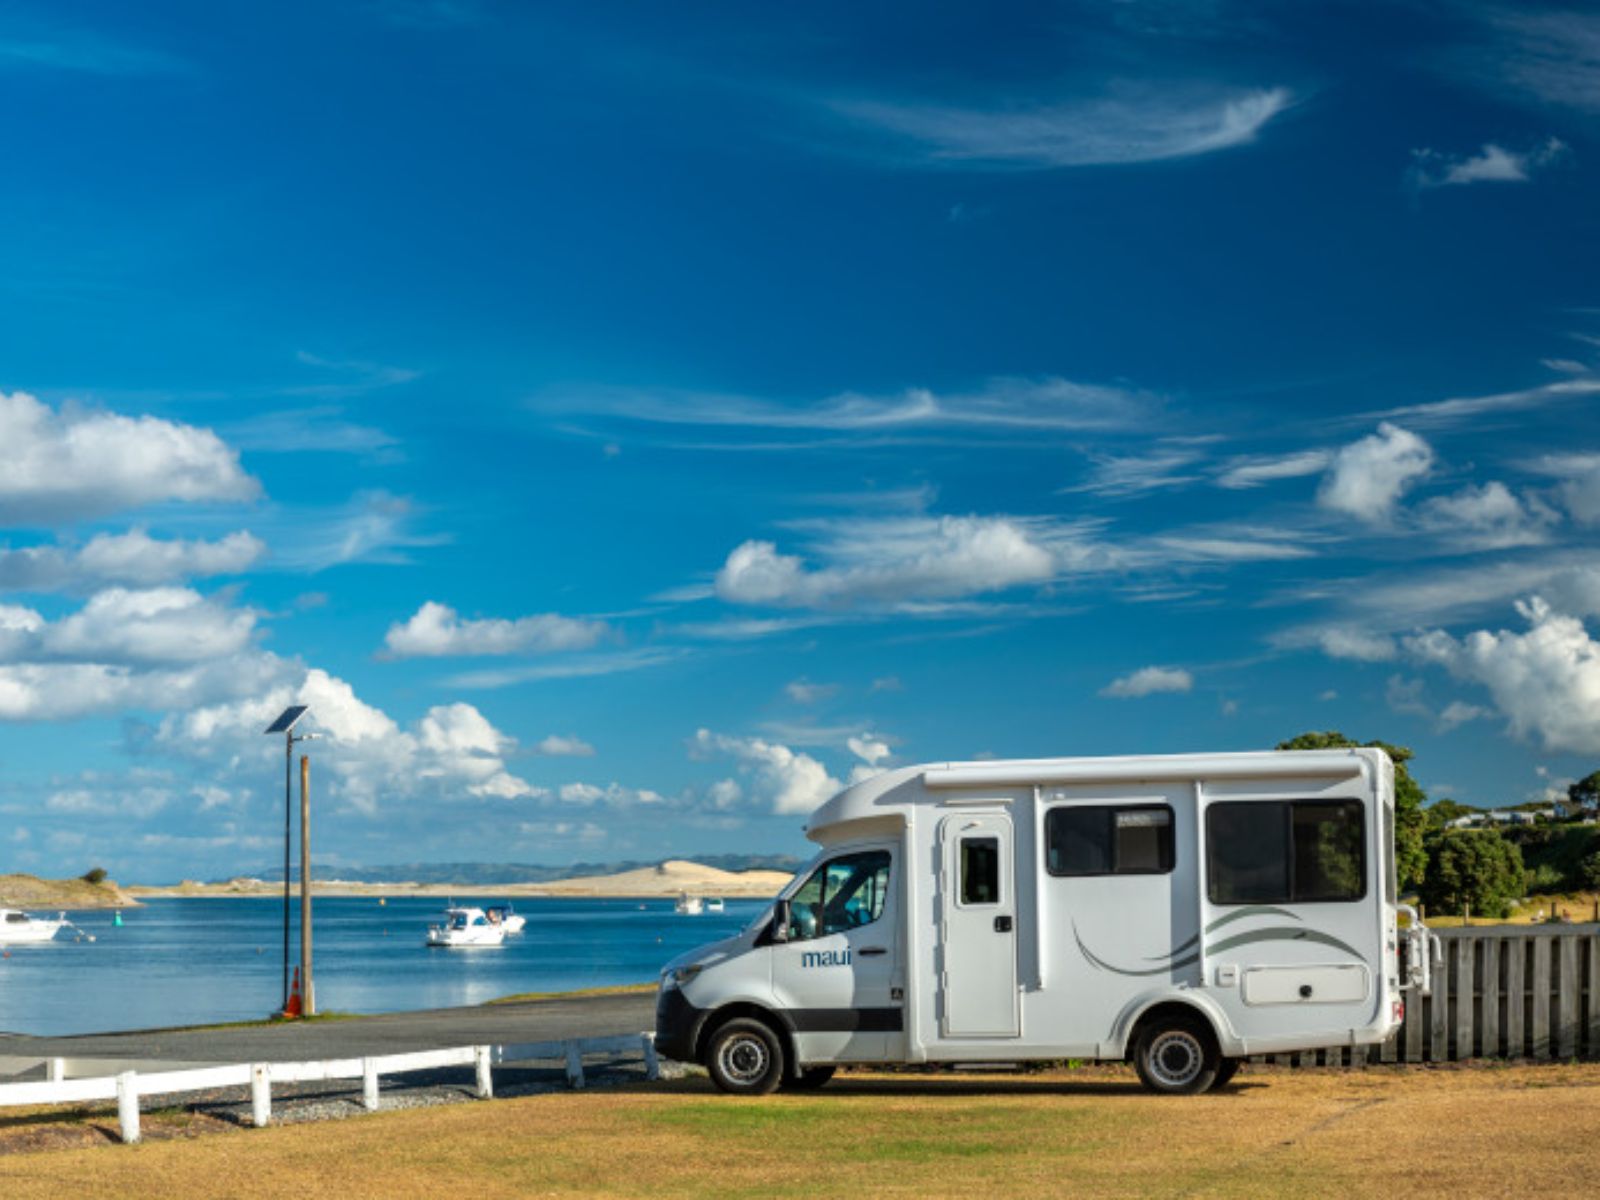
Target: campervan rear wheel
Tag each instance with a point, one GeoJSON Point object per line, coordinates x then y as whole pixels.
{"type": "Point", "coordinates": [1177, 1056]}
{"type": "Point", "coordinates": [745, 1057]}
{"type": "Point", "coordinates": [809, 1079]}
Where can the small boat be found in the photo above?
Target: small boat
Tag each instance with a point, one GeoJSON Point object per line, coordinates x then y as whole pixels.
{"type": "Point", "coordinates": [465, 927]}
{"type": "Point", "coordinates": [715, 904]}
{"type": "Point", "coordinates": [18, 928]}
{"type": "Point", "coordinates": [504, 916]}
{"type": "Point", "coordinates": [688, 906]}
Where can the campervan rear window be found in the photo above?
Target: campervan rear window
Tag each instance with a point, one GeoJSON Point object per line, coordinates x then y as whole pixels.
{"type": "Point", "coordinates": [1100, 839]}
{"type": "Point", "coordinates": [1285, 852]}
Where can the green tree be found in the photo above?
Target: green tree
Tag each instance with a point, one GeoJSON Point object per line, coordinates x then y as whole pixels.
{"type": "Point", "coordinates": [1410, 859]}
{"type": "Point", "coordinates": [1590, 870]}
{"type": "Point", "coordinates": [1585, 794]}
{"type": "Point", "coordinates": [94, 875]}
{"type": "Point", "coordinates": [1476, 867]}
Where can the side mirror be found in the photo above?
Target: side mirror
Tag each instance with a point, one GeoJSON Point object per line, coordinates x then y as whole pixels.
{"type": "Point", "coordinates": [780, 921]}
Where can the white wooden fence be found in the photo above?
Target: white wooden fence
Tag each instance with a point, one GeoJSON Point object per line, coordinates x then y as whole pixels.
{"type": "Point", "coordinates": [128, 1088]}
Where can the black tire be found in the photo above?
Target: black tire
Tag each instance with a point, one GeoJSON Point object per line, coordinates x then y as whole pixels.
{"type": "Point", "coordinates": [1225, 1073]}
{"type": "Point", "coordinates": [809, 1079]}
{"type": "Point", "coordinates": [1177, 1056]}
{"type": "Point", "coordinates": [745, 1057]}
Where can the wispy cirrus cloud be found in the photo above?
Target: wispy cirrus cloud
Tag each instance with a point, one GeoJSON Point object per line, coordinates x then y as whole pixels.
{"type": "Point", "coordinates": [1551, 55]}
{"type": "Point", "coordinates": [60, 51]}
{"type": "Point", "coordinates": [1453, 411]}
{"type": "Point", "coordinates": [1002, 403]}
{"type": "Point", "coordinates": [1126, 126]}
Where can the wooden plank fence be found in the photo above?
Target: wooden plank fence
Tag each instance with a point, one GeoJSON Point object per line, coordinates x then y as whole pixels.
{"type": "Point", "coordinates": [130, 1087]}
{"type": "Point", "coordinates": [1501, 991]}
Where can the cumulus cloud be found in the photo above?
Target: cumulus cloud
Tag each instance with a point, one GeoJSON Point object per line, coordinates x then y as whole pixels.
{"type": "Point", "coordinates": [121, 626]}
{"type": "Point", "coordinates": [1490, 517]}
{"type": "Point", "coordinates": [436, 631]}
{"type": "Point", "coordinates": [452, 751]}
{"type": "Point", "coordinates": [71, 463]}
{"type": "Point", "coordinates": [1147, 681]}
{"type": "Point", "coordinates": [787, 780]}
{"type": "Point", "coordinates": [1367, 478]}
{"type": "Point", "coordinates": [892, 561]}
{"type": "Point", "coordinates": [613, 795]}
{"type": "Point", "coordinates": [134, 558]}
{"type": "Point", "coordinates": [1578, 486]}
{"type": "Point", "coordinates": [1492, 164]}
{"type": "Point", "coordinates": [1130, 127]}
{"type": "Point", "coordinates": [1545, 680]}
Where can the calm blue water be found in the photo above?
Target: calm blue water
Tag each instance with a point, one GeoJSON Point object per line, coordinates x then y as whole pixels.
{"type": "Point", "coordinates": [181, 962]}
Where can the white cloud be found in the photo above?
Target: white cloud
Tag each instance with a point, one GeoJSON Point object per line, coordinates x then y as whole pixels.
{"type": "Point", "coordinates": [1492, 164]}
{"type": "Point", "coordinates": [803, 691]}
{"type": "Point", "coordinates": [557, 745]}
{"type": "Point", "coordinates": [791, 782]}
{"type": "Point", "coordinates": [585, 833]}
{"type": "Point", "coordinates": [1458, 712]}
{"type": "Point", "coordinates": [873, 751]}
{"type": "Point", "coordinates": [1553, 54]}
{"type": "Point", "coordinates": [119, 626]}
{"type": "Point", "coordinates": [1545, 681]}
{"type": "Point", "coordinates": [1253, 472]}
{"type": "Point", "coordinates": [372, 527]}
{"type": "Point", "coordinates": [1148, 681]}
{"type": "Point", "coordinates": [892, 561]}
{"type": "Point", "coordinates": [71, 463]}
{"type": "Point", "coordinates": [613, 795]}
{"type": "Point", "coordinates": [1002, 403]}
{"type": "Point", "coordinates": [1132, 127]}
{"type": "Point", "coordinates": [1579, 486]}
{"type": "Point", "coordinates": [1345, 641]}
{"type": "Point", "coordinates": [1440, 413]}
{"type": "Point", "coordinates": [1367, 478]}
{"type": "Point", "coordinates": [1490, 517]}
{"type": "Point", "coordinates": [1130, 475]}
{"type": "Point", "coordinates": [435, 631]}
{"type": "Point", "coordinates": [1405, 696]}
{"type": "Point", "coordinates": [133, 558]}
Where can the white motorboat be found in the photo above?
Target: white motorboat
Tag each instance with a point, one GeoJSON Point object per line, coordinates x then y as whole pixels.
{"type": "Point", "coordinates": [465, 927]}
{"type": "Point", "coordinates": [506, 917]}
{"type": "Point", "coordinates": [18, 928]}
{"type": "Point", "coordinates": [715, 904]}
{"type": "Point", "coordinates": [688, 906]}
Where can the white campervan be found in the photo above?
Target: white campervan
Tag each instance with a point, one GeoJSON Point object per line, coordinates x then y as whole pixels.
{"type": "Point", "coordinates": [1182, 911]}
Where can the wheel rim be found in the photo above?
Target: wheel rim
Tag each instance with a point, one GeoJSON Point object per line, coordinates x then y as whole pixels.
{"type": "Point", "coordinates": [1175, 1058]}
{"type": "Point", "coordinates": [743, 1059]}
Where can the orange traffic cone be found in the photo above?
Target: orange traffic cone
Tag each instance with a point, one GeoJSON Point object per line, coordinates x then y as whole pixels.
{"type": "Point", "coordinates": [293, 1008]}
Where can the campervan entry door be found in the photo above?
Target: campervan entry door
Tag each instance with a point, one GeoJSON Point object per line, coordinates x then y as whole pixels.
{"type": "Point", "coordinates": [978, 925]}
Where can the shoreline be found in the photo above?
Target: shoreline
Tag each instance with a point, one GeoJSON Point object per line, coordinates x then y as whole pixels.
{"type": "Point", "coordinates": [539, 891]}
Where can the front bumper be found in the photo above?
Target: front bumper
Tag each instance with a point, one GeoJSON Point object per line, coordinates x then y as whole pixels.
{"type": "Point", "coordinates": [676, 1023]}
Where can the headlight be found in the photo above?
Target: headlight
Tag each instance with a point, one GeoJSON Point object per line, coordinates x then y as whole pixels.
{"type": "Point", "coordinates": [683, 975]}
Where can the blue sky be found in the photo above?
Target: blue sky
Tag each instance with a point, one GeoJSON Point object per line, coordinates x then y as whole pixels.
{"type": "Point", "coordinates": [624, 425]}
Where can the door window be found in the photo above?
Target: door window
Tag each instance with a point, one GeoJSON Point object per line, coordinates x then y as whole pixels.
{"type": "Point", "coordinates": [980, 870]}
{"type": "Point", "coordinates": [843, 893]}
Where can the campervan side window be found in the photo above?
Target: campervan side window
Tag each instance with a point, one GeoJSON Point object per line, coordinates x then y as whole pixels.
{"type": "Point", "coordinates": [843, 893]}
{"type": "Point", "coordinates": [1285, 852]}
{"type": "Point", "coordinates": [1099, 839]}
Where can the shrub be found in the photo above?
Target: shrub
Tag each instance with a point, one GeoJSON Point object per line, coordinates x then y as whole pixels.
{"type": "Point", "coordinates": [1591, 870]}
{"type": "Point", "coordinates": [1546, 879]}
{"type": "Point", "coordinates": [95, 875]}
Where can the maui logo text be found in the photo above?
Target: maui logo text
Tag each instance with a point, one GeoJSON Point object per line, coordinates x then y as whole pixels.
{"type": "Point", "coordinates": [825, 958]}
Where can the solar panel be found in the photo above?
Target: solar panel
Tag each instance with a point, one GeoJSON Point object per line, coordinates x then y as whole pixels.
{"type": "Point", "coordinates": [290, 715]}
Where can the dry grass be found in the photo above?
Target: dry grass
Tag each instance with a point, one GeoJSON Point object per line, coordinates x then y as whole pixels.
{"type": "Point", "coordinates": [1524, 1131]}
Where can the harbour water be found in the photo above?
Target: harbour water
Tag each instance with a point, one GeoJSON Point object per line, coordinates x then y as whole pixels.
{"type": "Point", "coordinates": [199, 961]}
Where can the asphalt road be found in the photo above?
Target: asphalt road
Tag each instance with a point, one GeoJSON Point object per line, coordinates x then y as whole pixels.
{"type": "Point", "coordinates": [392, 1033]}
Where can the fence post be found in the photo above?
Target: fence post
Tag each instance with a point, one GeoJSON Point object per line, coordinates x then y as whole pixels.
{"type": "Point", "coordinates": [1463, 989]}
{"type": "Point", "coordinates": [260, 1095]}
{"type": "Point", "coordinates": [481, 1059]}
{"type": "Point", "coordinates": [574, 1065]}
{"type": "Point", "coordinates": [369, 1085]}
{"type": "Point", "coordinates": [1539, 997]}
{"type": "Point", "coordinates": [1489, 1004]}
{"type": "Point", "coordinates": [1567, 997]}
{"type": "Point", "coordinates": [1439, 1002]}
{"type": "Point", "coordinates": [56, 1070]}
{"type": "Point", "coordinates": [1594, 995]}
{"type": "Point", "coordinates": [652, 1064]}
{"type": "Point", "coordinates": [128, 1106]}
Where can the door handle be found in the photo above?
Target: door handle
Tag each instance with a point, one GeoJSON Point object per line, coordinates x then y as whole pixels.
{"type": "Point", "coordinates": [1002, 924]}
{"type": "Point", "coordinates": [871, 951]}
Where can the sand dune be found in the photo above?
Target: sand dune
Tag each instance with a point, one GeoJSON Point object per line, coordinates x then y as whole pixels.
{"type": "Point", "coordinates": [668, 879]}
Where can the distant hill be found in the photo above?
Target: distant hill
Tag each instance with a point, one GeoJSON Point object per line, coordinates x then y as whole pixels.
{"type": "Point", "coordinates": [29, 891]}
{"type": "Point", "coordinates": [479, 874]}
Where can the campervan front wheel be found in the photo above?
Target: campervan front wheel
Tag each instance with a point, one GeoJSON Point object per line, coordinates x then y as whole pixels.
{"type": "Point", "coordinates": [745, 1057]}
{"type": "Point", "coordinates": [1176, 1056]}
